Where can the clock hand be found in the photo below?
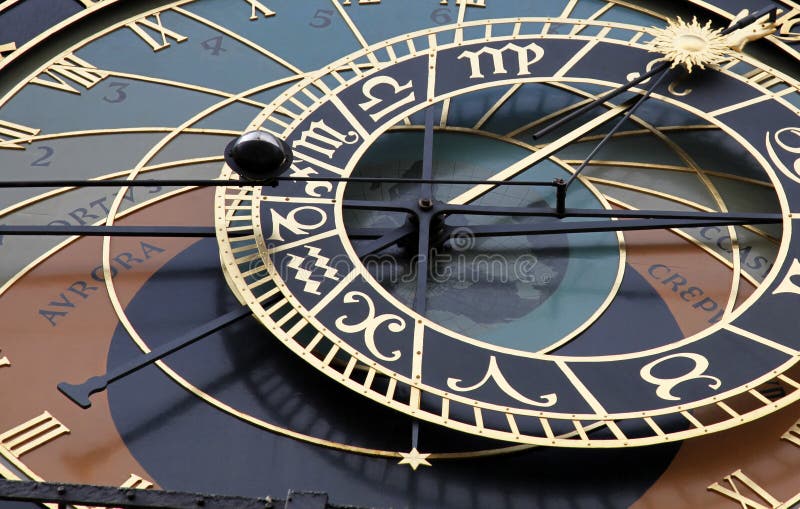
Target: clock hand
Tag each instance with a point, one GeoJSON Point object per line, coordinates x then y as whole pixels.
{"type": "Point", "coordinates": [642, 213]}
{"type": "Point", "coordinates": [540, 155]}
{"type": "Point", "coordinates": [600, 100]}
{"type": "Point", "coordinates": [770, 12]}
{"type": "Point", "coordinates": [553, 227]}
{"type": "Point", "coordinates": [617, 127]}
{"type": "Point", "coordinates": [426, 191]}
{"type": "Point", "coordinates": [80, 393]}
{"type": "Point", "coordinates": [424, 217]}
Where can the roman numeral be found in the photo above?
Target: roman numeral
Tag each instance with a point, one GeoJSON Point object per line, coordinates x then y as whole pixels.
{"type": "Point", "coordinates": [140, 24]}
{"type": "Point", "coordinates": [133, 482]}
{"type": "Point", "coordinates": [470, 3]}
{"type": "Point", "coordinates": [793, 434]}
{"type": "Point", "coordinates": [32, 434]}
{"type": "Point", "coordinates": [4, 362]}
{"type": "Point", "coordinates": [749, 494]}
{"type": "Point", "coordinates": [255, 5]}
{"type": "Point", "coordinates": [73, 69]}
{"type": "Point", "coordinates": [11, 134]}
{"type": "Point", "coordinates": [7, 48]}
{"type": "Point", "coordinates": [136, 482]}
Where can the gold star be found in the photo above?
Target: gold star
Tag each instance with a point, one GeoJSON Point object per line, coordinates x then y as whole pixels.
{"type": "Point", "coordinates": [414, 459]}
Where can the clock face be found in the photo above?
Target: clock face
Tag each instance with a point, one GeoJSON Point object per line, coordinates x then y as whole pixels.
{"type": "Point", "coordinates": [434, 281]}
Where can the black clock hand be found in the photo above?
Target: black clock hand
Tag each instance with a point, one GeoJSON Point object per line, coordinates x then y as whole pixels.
{"type": "Point", "coordinates": [553, 227]}
{"type": "Point", "coordinates": [618, 125]}
{"type": "Point", "coordinates": [80, 393]}
{"type": "Point", "coordinates": [599, 100]}
{"type": "Point", "coordinates": [424, 217]}
{"type": "Point", "coordinates": [770, 11]}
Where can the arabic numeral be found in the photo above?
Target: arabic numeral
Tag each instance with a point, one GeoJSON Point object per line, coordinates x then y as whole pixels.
{"type": "Point", "coordinates": [119, 92]}
{"type": "Point", "coordinates": [45, 158]}
{"type": "Point", "coordinates": [214, 45]}
{"type": "Point", "coordinates": [322, 18]}
{"type": "Point", "coordinates": [442, 16]}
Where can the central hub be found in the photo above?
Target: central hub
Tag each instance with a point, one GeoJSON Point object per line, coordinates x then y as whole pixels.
{"type": "Point", "coordinates": [494, 289]}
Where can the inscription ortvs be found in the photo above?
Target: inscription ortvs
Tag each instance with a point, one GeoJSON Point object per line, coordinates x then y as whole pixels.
{"type": "Point", "coordinates": [78, 292]}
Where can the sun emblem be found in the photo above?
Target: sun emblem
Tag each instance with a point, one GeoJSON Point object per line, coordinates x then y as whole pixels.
{"type": "Point", "coordinates": [690, 44]}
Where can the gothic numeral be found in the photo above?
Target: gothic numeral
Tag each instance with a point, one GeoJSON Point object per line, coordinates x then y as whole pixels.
{"type": "Point", "coordinates": [7, 48]}
{"type": "Point", "coordinates": [793, 434]}
{"type": "Point", "coordinates": [11, 134]}
{"type": "Point", "coordinates": [139, 26]}
{"type": "Point", "coordinates": [255, 5]}
{"type": "Point", "coordinates": [745, 491]}
{"type": "Point", "coordinates": [32, 434]}
{"type": "Point", "coordinates": [470, 3]}
{"type": "Point", "coordinates": [75, 70]}
{"type": "Point", "coordinates": [136, 482]}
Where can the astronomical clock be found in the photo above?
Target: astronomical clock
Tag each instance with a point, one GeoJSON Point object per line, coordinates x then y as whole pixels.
{"type": "Point", "coordinates": [405, 253]}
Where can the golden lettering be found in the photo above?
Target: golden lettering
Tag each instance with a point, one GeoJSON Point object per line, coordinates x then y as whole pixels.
{"type": "Point", "coordinates": [523, 57]}
{"type": "Point", "coordinates": [746, 499]}
{"type": "Point", "coordinates": [787, 23]}
{"type": "Point", "coordinates": [11, 134]}
{"type": "Point", "coordinates": [493, 373]}
{"type": "Point", "coordinates": [324, 139]}
{"type": "Point", "coordinates": [291, 223]}
{"type": "Point", "coordinates": [255, 5]}
{"type": "Point", "coordinates": [133, 482]}
{"type": "Point", "coordinates": [7, 48]}
{"type": "Point", "coordinates": [666, 385]}
{"type": "Point", "coordinates": [793, 434]}
{"type": "Point", "coordinates": [139, 26]}
{"type": "Point", "coordinates": [312, 186]}
{"type": "Point", "coordinates": [370, 325]}
{"type": "Point", "coordinates": [32, 434]}
{"type": "Point", "coordinates": [305, 275]}
{"type": "Point", "coordinates": [73, 69]}
{"type": "Point", "coordinates": [136, 482]}
{"type": "Point", "coordinates": [470, 3]}
{"type": "Point", "coordinates": [378, 81]}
